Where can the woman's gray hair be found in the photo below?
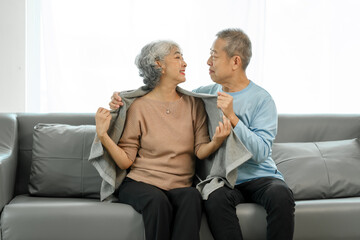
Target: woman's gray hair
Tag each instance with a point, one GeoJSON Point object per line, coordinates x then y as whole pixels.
{"type": "Point", "coordinates": [238, 43]}
{"type": "Point", "coordinates": [146, 61]}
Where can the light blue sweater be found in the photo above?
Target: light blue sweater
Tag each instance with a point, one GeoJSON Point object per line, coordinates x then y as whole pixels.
{"type": "Point", "coordinates": [256, 129]}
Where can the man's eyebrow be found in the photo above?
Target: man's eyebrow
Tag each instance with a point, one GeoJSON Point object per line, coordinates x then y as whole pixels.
{"type": "Point", "coordinates": [177, 52]}
{"type": "Point", "coordinates": [213, 50]}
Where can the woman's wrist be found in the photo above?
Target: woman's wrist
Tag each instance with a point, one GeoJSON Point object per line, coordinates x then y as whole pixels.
{"type": "Point", "coordinates": [216, 143]}
{"type": "Point", "coordinates": [103, 136]}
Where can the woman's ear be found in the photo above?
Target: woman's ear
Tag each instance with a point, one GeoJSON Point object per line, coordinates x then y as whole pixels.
{"type": "Point", "coordinates": [160, 65]}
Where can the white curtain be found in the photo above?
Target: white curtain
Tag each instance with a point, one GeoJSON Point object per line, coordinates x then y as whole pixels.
{"type": "Point", "coordinates": [304, 52]}
{"type": "Point", "coordinates": [311, 55]}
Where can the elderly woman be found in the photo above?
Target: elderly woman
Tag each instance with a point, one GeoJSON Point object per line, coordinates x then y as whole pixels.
{"type": "Point", "coordinates": [163, 133]}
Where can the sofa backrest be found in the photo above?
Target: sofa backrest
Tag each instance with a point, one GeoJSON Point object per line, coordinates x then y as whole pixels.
{"type": "Point", "coordinates": [317, 127]}
{"type": "Point", "coordinates": [319, 155]}
{"type": "Point", "coordinates": [292, 128]}
{"type": "Point", "coordinates": [26, 123]}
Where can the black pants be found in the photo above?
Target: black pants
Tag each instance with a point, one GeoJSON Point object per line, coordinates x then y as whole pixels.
{"type": "Point", "coordinates": [272, 193]}
{"type": "Point", "coordinates": [173, 214]}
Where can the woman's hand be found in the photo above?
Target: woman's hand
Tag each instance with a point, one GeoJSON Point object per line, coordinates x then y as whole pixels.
{"type": "Point", "coordinates": [102, 119]}
{"type": "Point", "coordinates": [222, 131]}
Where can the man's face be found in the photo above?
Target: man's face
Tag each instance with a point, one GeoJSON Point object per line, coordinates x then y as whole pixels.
{"type": "Point", "coordinates": [219, 62]}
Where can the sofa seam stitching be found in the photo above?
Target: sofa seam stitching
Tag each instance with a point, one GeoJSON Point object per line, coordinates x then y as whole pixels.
{"type": "Point", "coordinates": [327, 170]}
{"type": "Point", "coordinates": [82, 164]}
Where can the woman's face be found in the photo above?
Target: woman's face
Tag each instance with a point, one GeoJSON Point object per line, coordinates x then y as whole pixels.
{"type": "Point", "coordinates": [173, 66]}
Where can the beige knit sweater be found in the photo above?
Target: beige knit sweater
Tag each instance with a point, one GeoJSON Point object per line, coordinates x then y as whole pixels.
{"type": "Point", "coordinates": [161, 139]}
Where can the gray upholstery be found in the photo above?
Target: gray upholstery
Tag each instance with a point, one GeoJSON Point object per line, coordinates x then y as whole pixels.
{"type": "Point", "coordinates": [315, 170]}
{"type": "Point", "coordinates": [26, 123]}
{"type": "Point", "coordinates": [327, 219]}
{"type": "Point", "coordinates": [8, 157]}
{"type": "Point", "coordinates": [36, 218]}
{"type": "Point", "coordinates": [60, 166]}
{"type": "Point", "coordinates": [29, 217]}
{"type": "Point", "coordinates": [317, 127]}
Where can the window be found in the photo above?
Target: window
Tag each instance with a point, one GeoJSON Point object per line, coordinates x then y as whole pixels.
{"type": "Point", "coordinates": [304, 52]}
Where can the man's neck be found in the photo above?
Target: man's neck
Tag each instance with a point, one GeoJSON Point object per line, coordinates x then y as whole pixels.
{"type": "Point", "coordinates": [236, 84]}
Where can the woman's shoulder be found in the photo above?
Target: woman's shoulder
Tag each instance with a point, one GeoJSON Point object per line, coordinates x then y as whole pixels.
{"type": "Point", "coordinates": [194, 101]}
{"type": "Point", "coordinates": [136, 106]}
{"type": "Point", "coordinates": [195, 104]}
{"type": "Point", "coordinates": [139, 101]}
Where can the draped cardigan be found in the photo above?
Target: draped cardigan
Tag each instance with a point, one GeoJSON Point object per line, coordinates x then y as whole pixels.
{"type": "Point", "coordinates": [219, 169]}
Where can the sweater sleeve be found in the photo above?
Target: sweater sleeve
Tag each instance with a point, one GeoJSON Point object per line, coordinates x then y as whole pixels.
{"type": "Point", "coordinates": [201, 134]}
{"type": "Point", "coordinates": [130, 139]}
{"type": "Point", "coordinates": [260, 134]}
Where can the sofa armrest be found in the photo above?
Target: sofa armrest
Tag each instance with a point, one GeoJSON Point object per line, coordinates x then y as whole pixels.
{"type": "Point", "coordinates": [8, 157]}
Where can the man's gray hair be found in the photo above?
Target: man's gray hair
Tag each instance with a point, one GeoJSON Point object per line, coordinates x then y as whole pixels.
{"type": "Point", "coordinates": [238, 43]}
{"type": "Point", "coordinates": [146, 61]}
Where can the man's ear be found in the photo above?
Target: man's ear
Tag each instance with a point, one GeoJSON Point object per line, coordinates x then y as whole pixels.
{"type": "Point", "coordinates": [237, 62]}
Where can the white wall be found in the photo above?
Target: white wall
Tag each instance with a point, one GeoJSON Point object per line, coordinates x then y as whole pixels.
{"type": "Point", "coordinates": [12, 55]}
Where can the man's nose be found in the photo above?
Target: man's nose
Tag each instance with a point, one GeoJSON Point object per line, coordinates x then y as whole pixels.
{"type": "Point", "coordinates": [209, 62]}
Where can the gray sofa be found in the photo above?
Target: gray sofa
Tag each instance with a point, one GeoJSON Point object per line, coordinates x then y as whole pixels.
{"type": "Point", "coordinates": [319, 156]}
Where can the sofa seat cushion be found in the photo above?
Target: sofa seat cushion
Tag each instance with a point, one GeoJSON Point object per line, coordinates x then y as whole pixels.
{"type": "Point", "coordinates": [72, 218]}
{"type": "Point", "coordinates": [36, 218]}
{"type": "Point", "coordinates": [327, 219]}
{"type": "Point", "coordinates": [314, 219]}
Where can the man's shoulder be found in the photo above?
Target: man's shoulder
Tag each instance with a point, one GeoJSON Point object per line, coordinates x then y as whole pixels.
{"type": "Point", "coordinates": [209, 89]}
{"type": "Point", "coordinates": [261, 92]}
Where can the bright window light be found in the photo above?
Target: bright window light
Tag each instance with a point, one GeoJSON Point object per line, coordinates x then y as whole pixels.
{"type": "Point", "coordinates": [304, 52]}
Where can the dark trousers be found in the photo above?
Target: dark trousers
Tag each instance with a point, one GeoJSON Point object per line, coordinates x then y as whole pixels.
{"type": "Point", "coordinates": [272, 193]}
{"type": "Point", "coordinates": [173, 214]}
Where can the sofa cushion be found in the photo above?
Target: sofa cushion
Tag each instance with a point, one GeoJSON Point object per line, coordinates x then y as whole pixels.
{"type": "Point", "coordinates": [315, 170]}
{"type": "Point", "coordinates": [60, 166]}
{"type": "Point", "coordinates": [35, 218]}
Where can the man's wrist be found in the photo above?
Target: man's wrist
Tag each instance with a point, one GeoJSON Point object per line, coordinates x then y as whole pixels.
{"type": "Point", "coordinates": [233, 119]}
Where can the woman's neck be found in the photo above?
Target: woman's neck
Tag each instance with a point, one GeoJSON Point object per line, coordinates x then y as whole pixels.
{"type": "Point", "coordinates": [164, 93]}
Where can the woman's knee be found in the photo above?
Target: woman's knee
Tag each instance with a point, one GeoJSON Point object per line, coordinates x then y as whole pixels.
{"type": "Point", "coordinates": [192, 194]}
{"type": "Point", "coordinates": [186, 197]}
{"type": "Point", "coordinates": [159, 199]}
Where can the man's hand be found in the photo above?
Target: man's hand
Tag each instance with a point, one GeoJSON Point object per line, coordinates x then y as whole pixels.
{"type": "Point", "coordinates": [116, 101]}
{"type": "Point", "coordinates": [225, 103]}
{"type": "Point", "coordinates": [102, 119]}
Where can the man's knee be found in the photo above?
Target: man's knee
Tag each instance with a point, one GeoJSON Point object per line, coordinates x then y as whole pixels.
{"type": "Point", "coordinates": [282, 196]}
{"type": "Point", "coordinates": [223, 196]}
